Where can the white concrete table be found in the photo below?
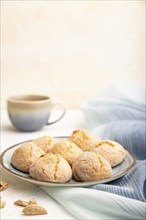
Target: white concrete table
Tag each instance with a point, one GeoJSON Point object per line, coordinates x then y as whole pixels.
{"type": "Point", "coordinates": [19, 189]}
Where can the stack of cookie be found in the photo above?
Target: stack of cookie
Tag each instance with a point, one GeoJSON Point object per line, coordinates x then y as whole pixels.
{"type": "Point", "coordinates": [82, 156]}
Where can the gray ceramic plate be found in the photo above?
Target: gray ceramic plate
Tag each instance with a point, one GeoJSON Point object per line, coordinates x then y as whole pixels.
{"type": "Point", "coordinates": [117, 172]}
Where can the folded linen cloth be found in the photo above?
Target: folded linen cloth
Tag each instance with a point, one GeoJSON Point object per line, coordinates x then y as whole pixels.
{"type": "Point", "coordinates": [119, 115]}
{"type": "Point", "coordinates": [87, 204]}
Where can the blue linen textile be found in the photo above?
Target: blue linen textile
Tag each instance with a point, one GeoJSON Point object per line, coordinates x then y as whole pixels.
{"type": "Point", "coordinates": [119, 115]}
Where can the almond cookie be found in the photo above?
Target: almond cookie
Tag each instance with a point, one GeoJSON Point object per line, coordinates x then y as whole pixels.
{"type": "Point", "coordinates": [90, 166]}
{"type": "Point", "coordinates": [25, 155]}
{"type": "Point", "coordinates": [45, 143]}
{"type": "Point", "coordinates": [112, 151]}
{"type": "Point", "coordinates": [67, 149]}
{"type": "Point", "coordinates": [51, 168]}
{"type": "Point", "coordinates": [84, 139]}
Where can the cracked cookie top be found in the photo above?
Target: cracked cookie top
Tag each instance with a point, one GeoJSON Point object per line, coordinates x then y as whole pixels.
{"type": "Point", "coordinates": [112, 151]}
{"type": "Point", "coordinates": [45, 143]}
{"type": "Point", "coordinates": [90, 166]}
{"type": "Point", "coordinates": [68, 150]}
{"type": "Point", "coordinates": [84, 139]}
{"type": "Point", "coordinates": [51, 167]}
{"type": "Point", "coordinates": [25, 155]}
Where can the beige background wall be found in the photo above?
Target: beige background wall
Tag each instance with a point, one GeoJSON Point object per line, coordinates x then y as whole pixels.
{"type": "Point", "coordinates": [71, 50]}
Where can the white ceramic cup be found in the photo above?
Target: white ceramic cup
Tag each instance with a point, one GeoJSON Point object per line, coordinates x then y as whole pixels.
{"type": "Point", "coordinates": [31, 112]}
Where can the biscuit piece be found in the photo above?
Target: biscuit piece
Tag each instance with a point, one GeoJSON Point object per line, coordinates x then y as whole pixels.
{"type": "Point", "coordinates": [45, 143]}
{"type": "Point", "coordinates": [51, 168]}
{"type": "Point", "coordinates": [90, 166]}
{"type": "Point", "coordinates": [25, 155]}
{"type": "Point", "coordinates": [68, 150]}
{"type": "Point", "coordinates": [84, 139]}
{"type": "Point", "coordinates": [113, 152]}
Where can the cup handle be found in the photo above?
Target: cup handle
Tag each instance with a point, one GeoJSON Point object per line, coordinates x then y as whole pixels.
{"type": "Point", "coordinates": [63, 113]}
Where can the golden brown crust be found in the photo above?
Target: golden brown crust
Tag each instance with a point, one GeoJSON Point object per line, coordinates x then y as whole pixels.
{"type": "Point", "coordinates": [45, 143]}
{"type": "Point", "coordinates": [68, 150]}
{"type": "Point", "coordinates": [25, 155]}
{"type": "Point", "coordinates": [112, 151]}
{"type": "Point", "coordinates": [51, 168]}
{"type": "Point", "coordinates": [90, 166]}
{"type": "Point", "coordinates": [84, 139]}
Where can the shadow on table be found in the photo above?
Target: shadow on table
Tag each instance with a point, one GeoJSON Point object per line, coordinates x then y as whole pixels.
{"type": "Point", "coordinates": [9, 128]}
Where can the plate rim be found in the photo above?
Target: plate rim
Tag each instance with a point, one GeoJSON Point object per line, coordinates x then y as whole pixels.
{"type": "Point", "coordinates": [51, 184]}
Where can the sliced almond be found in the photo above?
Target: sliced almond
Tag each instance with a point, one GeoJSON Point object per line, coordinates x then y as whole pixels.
{"type": "Point", "coordinates": [32, 202]}
{"type": "Point", "coordinates": [24, 203]}
{"type": "Point", "coordinates": [2, 204]}
{"type": "Point", "coordinates": [34, 210]}
{"type": "Point", "coordinates": [21, 203]}
{"type": "Point", "coordinates": [3, 185]}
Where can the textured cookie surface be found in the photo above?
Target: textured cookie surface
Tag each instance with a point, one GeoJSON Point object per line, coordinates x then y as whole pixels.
{"type": "Point", "coordinates": [45, 143]}
{"type": "Point", "coordinates": [112, 151]}
{"type": "Point", "coordinates": [84, 139]}
{"type": "Point", "coordinates": [25, 155]}
{"type": "Point", "coordinates": [90, 166]}
{"type": "Point", "coordinates": [68, 150]}
{"type": "Point", "coordinates": [51, 168]}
